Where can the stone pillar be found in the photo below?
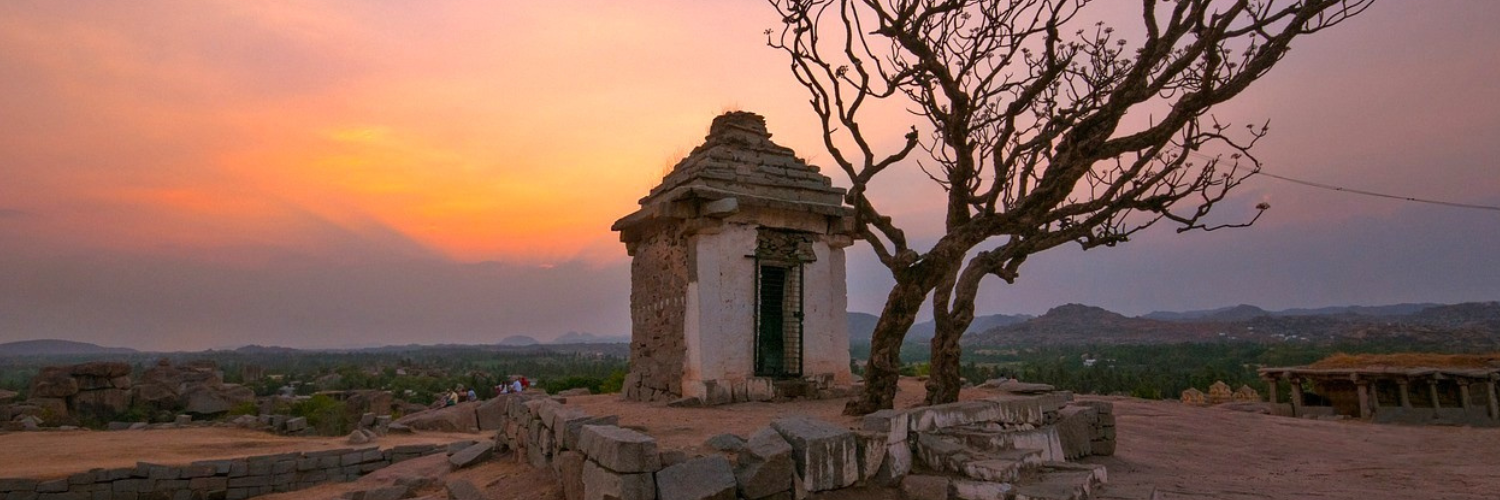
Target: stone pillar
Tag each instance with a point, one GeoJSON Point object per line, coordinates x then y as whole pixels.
{"type": "Point", "coordinates": [1463, 393]}
{"type": "Point", "coordinates": [1270, 390]}
{"type": "Point", "coordinates": [1363, 387]}
{"type": "Point", "coordinates": [1405, 393]}
{"type": "Point", "coordinates": [1433, 392]}
{"type": "Point", "coordinates": [1489, 393]}
{"type": "Point", "coordinates": [1296, 397]}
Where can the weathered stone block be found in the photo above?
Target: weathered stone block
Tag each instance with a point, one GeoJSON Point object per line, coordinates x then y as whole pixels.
{"type": "Point", "coordinates": [895, 466]}
{"type": "Point", "coordinates": [53, 486]}
{"type": "Point", "coordinates": [726, 442]}
{"type": "Point", "coordinates": [923, 487]}
{"type": "Point", "coordinates": [1102, 447]}
{"type": "Point", "coordinates": [456, 446]}
{"type": "Point", "coordinates": [489, 415]}
{"type": "Point", "coordinates": [600, 483]}
{"type": "Point", "coordinates": [964, 489]}
{"type": "Point", "coordinates": [570, 474]}
{"type": "Point", "coordinates": [826, 455]}
{"type": "Point", "coordinates": [471, 455]}
{"type": "Point", "coordinates": [127, 485]}
{"type": "Point", "coordinates": [705, 478]}
{"type": "Point", "coordinates": [893, 423]}
{"type": "Point", "coordinates": [462, 489]}
{"type": "Point", "coordinates": [765, 465]}
{"type": "Point", "coordinates": [1075, 430]}
{"type": "Point", "coordinates": [941, 453]}
{"type": "Point", "coordinates": [573, 428]}
{"type": "Point", "coordinates": [872, 451]}
{"type": "Point", "coordinates": [172, 484]}
{"type": "Point", "coordinates": [17, 484]}
{"type": "Point", "coordinates": [250, 481]}
{"type": "Point", "coordinates": [208, 483]}
{"type": "Point", "coordinates": [618, 449]}
{"type": "Point", "coordinates": [64, 495]}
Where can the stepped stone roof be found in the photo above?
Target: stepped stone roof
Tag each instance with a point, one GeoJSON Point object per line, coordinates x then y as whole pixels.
{"type": "Point", "coordinates": [738, 162]}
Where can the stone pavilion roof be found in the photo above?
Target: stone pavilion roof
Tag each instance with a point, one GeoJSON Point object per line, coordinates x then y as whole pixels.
{"type": "Point", "coordinates": [738, 161]}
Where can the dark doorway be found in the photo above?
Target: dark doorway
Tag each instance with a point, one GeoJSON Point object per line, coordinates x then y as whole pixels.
{"type": "Point", "coordinates": [778, 339]}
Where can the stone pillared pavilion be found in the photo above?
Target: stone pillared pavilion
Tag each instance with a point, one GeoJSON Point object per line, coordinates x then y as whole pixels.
{"type": "Point", "coordinates": [737, 275]}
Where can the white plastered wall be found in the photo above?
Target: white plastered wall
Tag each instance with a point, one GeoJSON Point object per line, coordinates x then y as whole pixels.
{"type": "Point", "coordinates": [719, 327]}
{"type": "Point", "coordinates": [720, 312]}
{"type": "Point", "coordinates": [825, 337]}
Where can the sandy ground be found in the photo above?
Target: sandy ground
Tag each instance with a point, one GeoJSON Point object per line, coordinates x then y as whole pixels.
{"type": "Point", "coordinates": [49, 455]}
{"type": "Point", "coordinates": [1183, 452]}
{"type": "Point", "coordinates": [1208, 453]}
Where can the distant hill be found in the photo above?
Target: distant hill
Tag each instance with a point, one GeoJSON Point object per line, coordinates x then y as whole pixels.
{"type": "Point", "coordinates": [1468, 326]}
{"type": "Point", "coordinates": [862, 325]}
{"type": "Point", "coordinates": [52, 347]}
{"type": "Point", "coordinates": [1081, 324]}
{"type": "Point", "coordinates": [1243, 312]}
{"type": "Point", "coordinates": [265, 349]}
{"type": "Point", "coordinates": [518, 340]}
{"type": "Point", "coordinates": [1233, 313]}
{"type": "Point", "coordinates": [589, 338]}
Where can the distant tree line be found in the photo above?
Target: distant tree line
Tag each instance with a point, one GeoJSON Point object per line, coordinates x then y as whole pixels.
{"type": "Point", "coordinates": [1160, 371]}
{"type": "Point", "coordinates": [415, 375]}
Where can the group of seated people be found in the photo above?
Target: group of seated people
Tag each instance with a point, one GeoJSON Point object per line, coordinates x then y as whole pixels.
{"type": "Point", "coordinates": [453, 397]}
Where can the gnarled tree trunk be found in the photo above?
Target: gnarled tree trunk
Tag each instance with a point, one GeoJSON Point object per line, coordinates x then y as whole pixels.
{"type": "Point", "coordinates": [883, 369]}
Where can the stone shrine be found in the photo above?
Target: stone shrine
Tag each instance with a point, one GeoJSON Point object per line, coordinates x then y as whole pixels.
{"type": "Point", "coordinates": [737, 275]}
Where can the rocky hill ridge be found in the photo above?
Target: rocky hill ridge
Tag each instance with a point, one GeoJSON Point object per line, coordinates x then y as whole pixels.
{"type": "Point", "coordinates": [1473, 325]}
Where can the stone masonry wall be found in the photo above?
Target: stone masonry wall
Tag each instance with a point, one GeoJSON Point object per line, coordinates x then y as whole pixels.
{"type": "Point", "coordinates": [228, 479]}
{"type": "Point", "coordinates": [794, 456]}
{"type": "Point", "coordinates": [658, 292]}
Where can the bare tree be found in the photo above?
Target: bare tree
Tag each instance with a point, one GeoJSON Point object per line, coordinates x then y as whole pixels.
{"type": "Point", "coordinates": [1021, 118]}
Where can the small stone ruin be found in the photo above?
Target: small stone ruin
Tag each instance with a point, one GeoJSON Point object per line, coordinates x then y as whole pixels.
{"type": "Point", "coordinates": [737, 275]}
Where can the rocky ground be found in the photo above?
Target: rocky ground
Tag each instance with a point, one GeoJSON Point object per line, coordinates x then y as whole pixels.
{"type": "Point", "coordinates": [1181, 451]}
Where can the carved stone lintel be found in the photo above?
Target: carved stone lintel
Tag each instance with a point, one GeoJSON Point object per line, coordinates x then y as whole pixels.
{"type": "Point", "coordinates": [788, 246]}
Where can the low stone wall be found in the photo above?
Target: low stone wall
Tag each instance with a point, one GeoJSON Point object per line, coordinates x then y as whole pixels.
{"type": "Point", "coordinates": [1473, 417]}
{"type": "Point", "coordinates": [594, 458]}
{"type": "Point", "coordinates": [228, 479]}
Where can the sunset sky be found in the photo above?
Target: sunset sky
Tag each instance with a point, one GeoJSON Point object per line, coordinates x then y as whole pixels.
{"type": "Point", "coordinates": [202, 174]}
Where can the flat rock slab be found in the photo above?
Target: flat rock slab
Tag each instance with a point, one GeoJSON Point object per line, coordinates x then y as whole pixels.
{"type": "Point", "coordinates": [827, 456]}
{"type": "Point", "coordinates": [471, 455]}
{"type": "Point", "coordinates": [704, 478]}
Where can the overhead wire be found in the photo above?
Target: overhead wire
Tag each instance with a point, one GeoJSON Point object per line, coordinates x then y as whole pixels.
{"type": "Point", "coordinates": [1330, 187]}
